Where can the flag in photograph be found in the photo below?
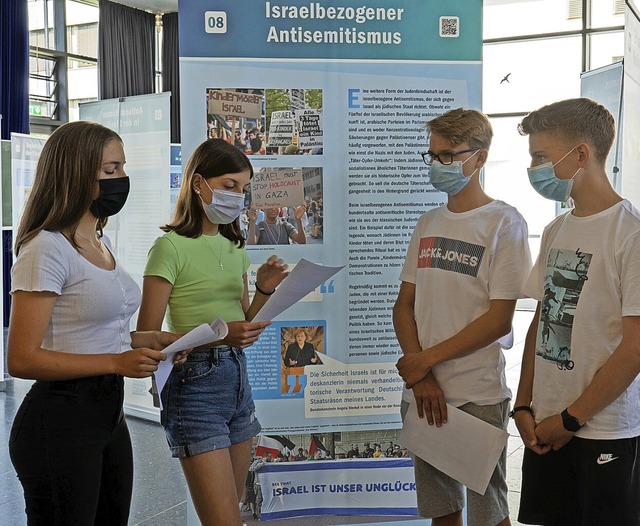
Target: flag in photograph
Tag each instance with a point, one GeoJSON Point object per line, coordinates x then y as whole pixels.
{"type": "Point", "coordinates": [287, 445]}
{"type": "Point", "coordinates": [274, 444]}
{"type": "Point", "coordinates": [317, 445]}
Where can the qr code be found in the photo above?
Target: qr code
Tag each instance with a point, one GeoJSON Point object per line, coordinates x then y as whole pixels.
{"type": "Point", "coordinates": [449, 26]}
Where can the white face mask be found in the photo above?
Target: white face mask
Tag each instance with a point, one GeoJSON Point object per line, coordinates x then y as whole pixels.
{"type": "Point", "coordinates": [450, 178]}
{"type": "Point", "coordinates": [225, 206]}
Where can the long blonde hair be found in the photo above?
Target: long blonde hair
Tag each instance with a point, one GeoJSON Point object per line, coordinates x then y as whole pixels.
{"type": "Point", "coordinates": [65, 179]}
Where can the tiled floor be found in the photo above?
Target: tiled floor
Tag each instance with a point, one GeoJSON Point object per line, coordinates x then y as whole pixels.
{"type": "Point", "coordinates": [159, 494]}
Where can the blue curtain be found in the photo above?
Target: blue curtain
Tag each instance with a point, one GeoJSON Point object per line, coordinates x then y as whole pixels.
{"type": "Point", "coordinates": [14, 100]}
{"type": "Point", "coordinates": [14, 67]}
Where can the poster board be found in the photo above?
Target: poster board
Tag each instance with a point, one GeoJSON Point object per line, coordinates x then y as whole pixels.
{"type": "Point", "coordinates": [143, 123]}
{"type": "Point", "coordinates": [604, 85]}
{"type": "Point", "coordinates": [630, 185]}
{"type": "Point", "coordinates": [376, 72]}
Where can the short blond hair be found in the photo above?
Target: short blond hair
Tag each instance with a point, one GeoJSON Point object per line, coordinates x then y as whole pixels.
{"type": "Point", "coordinates": [463, 126]}
{"type": "Point", "coordinates": [574, 120]}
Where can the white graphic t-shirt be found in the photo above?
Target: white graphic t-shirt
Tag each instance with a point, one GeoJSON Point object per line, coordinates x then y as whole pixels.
{"type": "Point", "coordinates": [587, 278]}
{"type": "Point", "coordinates": [459, 262]}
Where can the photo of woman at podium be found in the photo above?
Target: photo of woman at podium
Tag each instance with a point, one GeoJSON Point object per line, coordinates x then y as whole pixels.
{"type": "Point", "coordinates": [301, 352]}
{"type": "Point", "coordinates": [300, 347]}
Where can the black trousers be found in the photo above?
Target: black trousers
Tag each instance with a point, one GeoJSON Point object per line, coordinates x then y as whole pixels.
{"type": "Point", "coordinates": [71, 449]}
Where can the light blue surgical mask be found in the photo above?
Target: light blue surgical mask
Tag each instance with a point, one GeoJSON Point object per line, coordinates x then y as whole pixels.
{"type": "Point", "coordinates": [449, 178]}
{"type": "Point", "coordinates": [225, 206]}
{"type": "Point", "coordinates": [544, 180]}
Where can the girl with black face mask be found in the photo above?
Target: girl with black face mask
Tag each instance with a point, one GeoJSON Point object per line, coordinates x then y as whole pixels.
{"type": "Point", "coordinates": [113, 196]}
{"type": "Point", "coordinates": [69, 331]}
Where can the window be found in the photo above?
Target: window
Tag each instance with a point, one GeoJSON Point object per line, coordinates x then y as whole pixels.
{"type": "Point", "coordinates": [43, 86]}
{"type": "Point", "coordinates": [605, 48]}
{"type": "Point", "coordinates": [502, 19]}
{"type": "Point", "coordinates": [83, 40]}
{"type": "Point", "coordinates": [82, 28]}
{"type": "Point", "coordinates": [63, 35]}
{"type": "Point", "coordinates": [543, 46]}
{"type": "Point", "coordinates": [82, 46]}
{"type": "Point", "coordinates": [574, 9]}
{"type": "Point", "coordinates": [606, 13]}
{"type": "Point", "coordinates": [556, 74]}
{"type": "Point", "coordinates": [41, 27]}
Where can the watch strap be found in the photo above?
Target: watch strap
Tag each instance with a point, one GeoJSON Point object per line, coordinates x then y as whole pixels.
{"type": "Point", "coordinates": [570, 422]}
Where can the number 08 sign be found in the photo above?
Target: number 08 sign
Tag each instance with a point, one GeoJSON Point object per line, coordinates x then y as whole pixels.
{"type": "Point", "coordinates": [215, 21]}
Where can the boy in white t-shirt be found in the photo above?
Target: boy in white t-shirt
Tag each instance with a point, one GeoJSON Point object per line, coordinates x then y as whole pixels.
{"type": "Point", "coordinates": [466, 266]}
{"type": "Point", "coordinates": [578, 402]}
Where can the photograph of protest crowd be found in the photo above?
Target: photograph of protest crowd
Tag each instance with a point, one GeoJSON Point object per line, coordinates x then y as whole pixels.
{"type": "Point", "coordinates": [267, 121]}
{"type": "Point", "coordinates": [284, 207]}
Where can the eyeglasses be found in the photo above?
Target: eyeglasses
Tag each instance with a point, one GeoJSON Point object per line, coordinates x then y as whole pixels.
{"type": "Point", "coordinates": [444, 157]}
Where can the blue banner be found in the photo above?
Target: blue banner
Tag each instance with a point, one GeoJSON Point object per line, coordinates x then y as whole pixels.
{"type": "Point", "coordinates": [375, 30]}
{"type": "Point", "coordinates": [345, 487]}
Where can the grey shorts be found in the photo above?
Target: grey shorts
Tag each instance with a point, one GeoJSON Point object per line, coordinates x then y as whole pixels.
{"type": "Point", "coordinates": [439, 495]}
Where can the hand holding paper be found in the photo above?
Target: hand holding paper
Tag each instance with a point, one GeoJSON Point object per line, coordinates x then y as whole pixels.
{"type": "Point", "coordinates": [465, 448]}
{"type": "Point", "coordinates": [243, 334]}
{"type": "Point", "coordinates": [199, 336]}
{"type": "Point", "coordinates": [304, 278]}
{"type": "Point", "coordinates": [202, 334]}
{"type": "Point", "coordinates": [271, 273]}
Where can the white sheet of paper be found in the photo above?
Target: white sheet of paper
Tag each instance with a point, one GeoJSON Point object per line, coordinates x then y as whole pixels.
{"type": "Point", "coordinates": [465, 448]}
{"type": "Point", "coordinates": [304, 278]}
{"type": "Point", "coordinates": [202, 334]}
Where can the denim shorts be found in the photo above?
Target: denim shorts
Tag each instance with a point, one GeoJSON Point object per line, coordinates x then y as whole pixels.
{"type": "Point", "coordinates": [207, 403]}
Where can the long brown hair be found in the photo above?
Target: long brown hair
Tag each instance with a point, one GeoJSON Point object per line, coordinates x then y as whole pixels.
{"type": "Point", "coordinates": [213, 158]}
{"type": "Point", "coordinates": [65, 180]}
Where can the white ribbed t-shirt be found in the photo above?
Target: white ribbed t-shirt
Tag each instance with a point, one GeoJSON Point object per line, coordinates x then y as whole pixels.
{"type": "Point", "coordinates": [94, 306]}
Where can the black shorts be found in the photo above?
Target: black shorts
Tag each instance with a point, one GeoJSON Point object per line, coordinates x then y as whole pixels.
{"type": "Point", "coordinates": [585, 483]}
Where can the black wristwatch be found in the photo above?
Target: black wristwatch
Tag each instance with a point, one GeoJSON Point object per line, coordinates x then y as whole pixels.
{"type": "Point", "coordinates": [569, 422]}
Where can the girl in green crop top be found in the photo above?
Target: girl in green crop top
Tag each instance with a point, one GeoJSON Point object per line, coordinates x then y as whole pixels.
{"type": "Point", "coordinates": [196, 272]}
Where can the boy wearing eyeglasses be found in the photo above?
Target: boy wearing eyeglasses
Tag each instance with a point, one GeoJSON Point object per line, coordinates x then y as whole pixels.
{"type": "Point", "coordinates": [466, 266]}
{"type": "Point", "coordinates": [579, 391]}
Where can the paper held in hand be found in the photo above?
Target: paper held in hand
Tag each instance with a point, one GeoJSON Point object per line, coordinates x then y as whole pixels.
{"type": "Point", "coordinates": [205, 333]}
{"type": "Point", "coordinates": [305, 277]}
{"type": "Point", "coordinates": [465, 448]}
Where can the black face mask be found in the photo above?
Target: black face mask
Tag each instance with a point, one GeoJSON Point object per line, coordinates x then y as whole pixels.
{"type": "Point", "coordinates": [113, 196]}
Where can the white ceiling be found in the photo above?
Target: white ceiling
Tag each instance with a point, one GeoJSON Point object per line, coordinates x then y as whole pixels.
{"type": "Point", "coordinates": [154, 6]}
